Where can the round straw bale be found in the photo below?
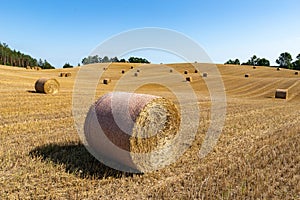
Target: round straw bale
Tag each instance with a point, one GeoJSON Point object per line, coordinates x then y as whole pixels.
{"type": "Point", "coordinates": [278, 69]}
{"type": "Point", "coordinates": [247, 75]}
{"type": "Point", "coordinates": [296, 73]}
{"type": "Point", "coordinates": [123, 71]}
{"type": "Point", "coordinates": [28, 67]}
{"type": "Point", "coordinates": [196, 71]}
{"type": "Point", "coordinates": [62, 74]}
{"type": "Point", "coordinates": [131, 67]}
{"type": "Point", "coordinates": [185, 72]}
{"type": "Point", "coordinates": [38, 68]}
{"type": "Point", "coordinates": [68, 74]}
{"type": "Point", "coordinates": [171, 70]}
{"type": "Point", "coordinates": [138, 70]}
{"type": "Point", "coordinates": [106, 81]}
{"type": "Point", "coordinates": [136, 74]}
{"type": "Point", "coordinates": [134, 123]}
{"type": "Point", "coordinates": [281, 93]}
{"type": "Point", "coordinates": [104, 68]}
{"type": "Point", "coordinates": [204, 74]}
{"type": "Point", "coordinates": [47, 85]}
{"type": "Point", "coordinates": [254, 67]}
{"type": "Point", "coordinates": [189, 79]}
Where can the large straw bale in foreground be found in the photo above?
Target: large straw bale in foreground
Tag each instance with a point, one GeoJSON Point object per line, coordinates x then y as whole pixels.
{"type": "Point", "coordinates": [47, 86]}
{"type": "Point", "coordinates": [134, 124]}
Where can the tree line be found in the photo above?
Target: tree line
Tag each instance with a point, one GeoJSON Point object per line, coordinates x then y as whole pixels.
{"type": "Point", "coordinates": [285, 60]}
{"type": "Point", "coordinates": [16, 58]}
{"type": "Point", "coordinates": [106, 59]}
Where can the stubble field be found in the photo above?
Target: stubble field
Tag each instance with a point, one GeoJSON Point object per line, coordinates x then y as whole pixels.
{"type": "Point", "coordinates": [256, 157]}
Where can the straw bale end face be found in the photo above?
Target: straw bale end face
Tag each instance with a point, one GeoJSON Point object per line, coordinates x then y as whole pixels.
{"type": "Point", "coordinates": [281, 94]}
{"type": "Point", "coordinates": [47, 86]}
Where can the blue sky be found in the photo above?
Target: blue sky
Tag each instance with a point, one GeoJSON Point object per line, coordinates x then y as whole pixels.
{"type": "Point", "coordinates": [68, 30]}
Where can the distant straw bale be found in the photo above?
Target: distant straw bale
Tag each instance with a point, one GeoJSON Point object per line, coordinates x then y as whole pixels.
{"type": "Point", "coordinates": [47, 86]}
{"type": "Point", "coordinates": [68, 74]}
{"type": "Point", "coordinates": [281, 93]}
{"type": "Point", "coordinates": [136, 74]}
{"type": "Point", "coordinates": [196, 71]}
{"type": "Point", "coordinates": [296, 73]}
{"type": "Point", "coordinates": [185, 72]}
{"type": "Point", "coordinates": [254, 67]}
{"type": "Point", "coordinates": [28, 67]}
{"type": "Point", "coordinates": [205, 74]}
{"type": "Point", "coordinates": [189, 79]}
{"type": "Point", "coordinates": [247, 75]}
{"type": "Point", "coordinates": [135, 124]}
{"type": "Point", "coordinates": [278, 69]}
{"type": "Point", "coordinates": [123, 71]}
{"type": "Point", "coordinates": [106, 81]}
{"type": "Point", "coordinates": [171, 70]}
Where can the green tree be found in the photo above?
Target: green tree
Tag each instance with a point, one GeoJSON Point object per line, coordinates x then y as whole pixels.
{"type": "Point", "coordinates": [285, 60]}
{"type": "Point", "coordinates": [233, 62]}
{"type": "Point", "coordinates": [296, 64]}
{"type": "Point", "coordinates": [263, 62]}
{"type": "Point", "coordinates": [67, 65]}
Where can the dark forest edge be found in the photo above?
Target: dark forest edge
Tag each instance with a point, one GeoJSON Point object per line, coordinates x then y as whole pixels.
{"type": "Point", "coordinates": [17, 59]}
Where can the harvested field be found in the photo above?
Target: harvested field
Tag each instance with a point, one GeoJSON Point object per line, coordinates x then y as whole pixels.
{"type": "Point", "coordinates": [256, 157]}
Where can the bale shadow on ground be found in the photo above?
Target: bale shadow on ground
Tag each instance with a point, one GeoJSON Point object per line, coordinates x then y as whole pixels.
{"type": "Point", "coordinates": [76, 160]}
{"type": "Point", "coordinates": [31, 91]}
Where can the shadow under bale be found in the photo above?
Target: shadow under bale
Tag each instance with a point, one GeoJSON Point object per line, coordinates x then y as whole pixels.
{"type": "Point", "coordinates": [76, 160]}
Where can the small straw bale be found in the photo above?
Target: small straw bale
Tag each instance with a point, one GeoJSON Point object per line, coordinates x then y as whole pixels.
{"type": "Point", "coordinates": [278, 69]}
{"type": "Point", "coordinates": [104, 68]}
{"type": "Point", "coordinates": [123, 71]}
{"type": "Point", "coordinates": [47, 85]}
{"type": "Point", "coordinates": [247, 75]}
{"type": "Point", "coordinates": [189, 79]}
{"type": "Point", "coordinates": [106, 81]}
{"type": "Point", "coordinates": [68, 74]}
{"type": "Point", "coordinates": [28, 67]}
{"type": "Point", "coordinates": [185, 72]}
{"type": "Point", "coordinates": [38, 68]}
{"type": "Point", "coordinates": [137, 124]}
{"type": "Point", "coordinates": [171, 70]}
{"type": "Point", "coordinates": [254, 67]}
{"type": "Point", "coordinates": [138, 70]}
{"type": "Point", "coordinates": [281, 93]}
{"type": "Point", "coordinates": [204, 74]}
{"type": "Point", "coordinates": [136, 74]}
{"type": "Point", "coordinates": [62, 74]}
{"type": "Point", "coordinates": [131, 67]}
{"type": "Point", "coordinates": [196, 71]}
{"type": "Point", "coordinates": [296, 73]}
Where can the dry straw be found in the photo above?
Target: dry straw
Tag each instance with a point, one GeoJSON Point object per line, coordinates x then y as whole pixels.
{"type": "Point", "coordinates": [47, 86]}
{"type": "Point", "coordinates": [281, 93]}
{"type": "Point", "coordinates": [136, 123]}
